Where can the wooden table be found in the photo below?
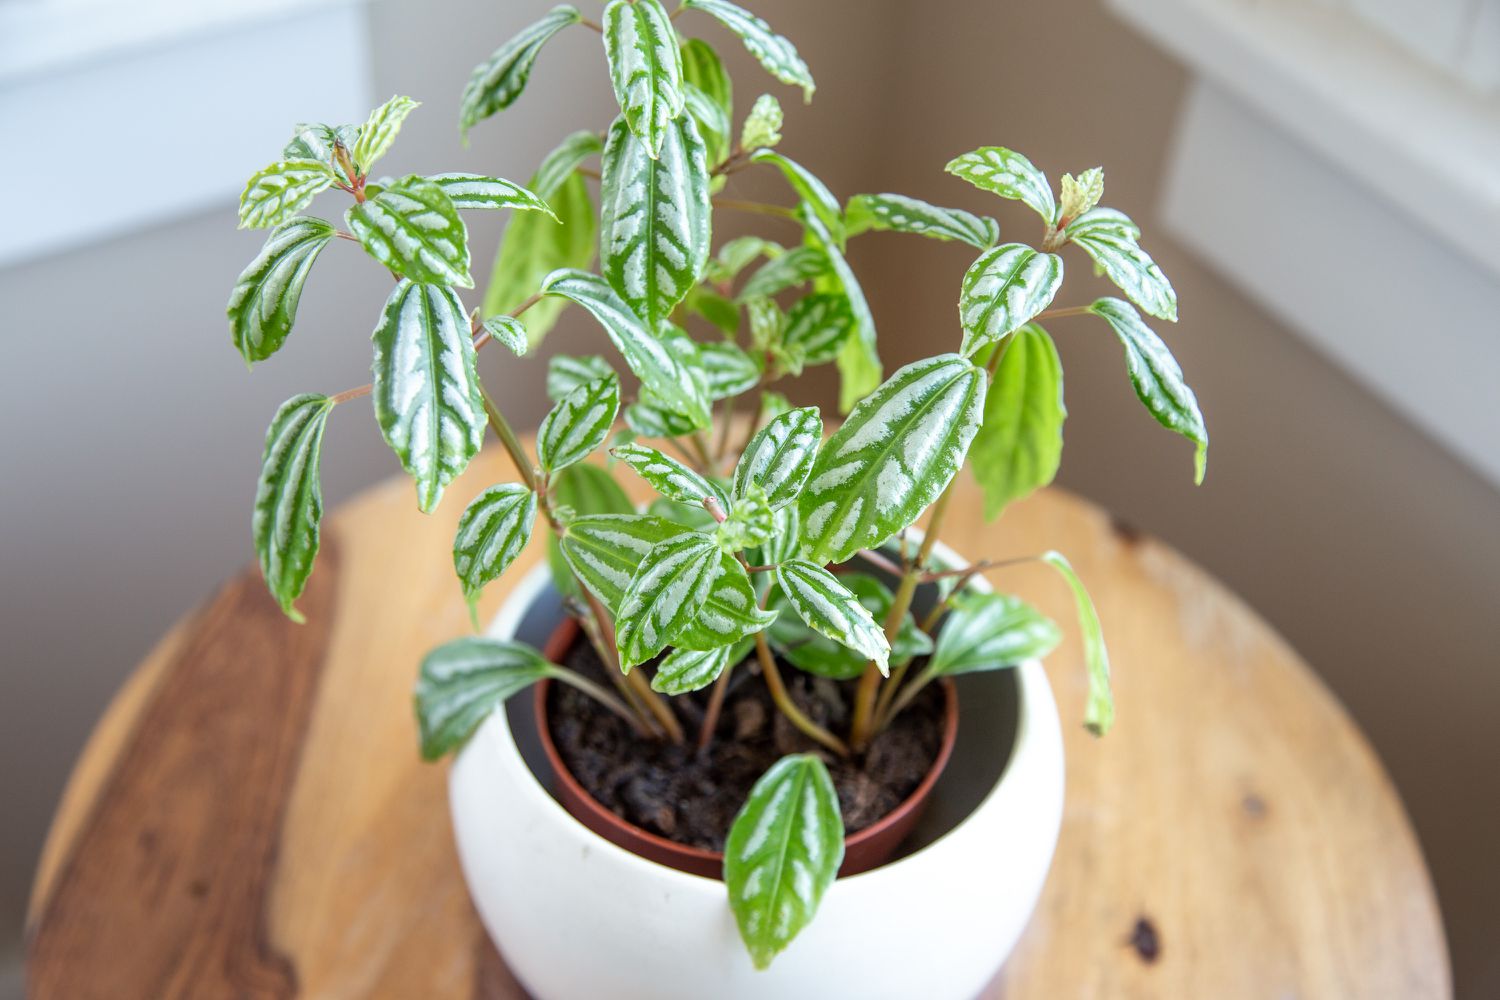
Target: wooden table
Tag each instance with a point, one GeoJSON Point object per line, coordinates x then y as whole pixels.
{"type": "Point", "coordinates": [250, 818]}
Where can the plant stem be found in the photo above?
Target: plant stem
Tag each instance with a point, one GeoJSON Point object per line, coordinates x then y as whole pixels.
{"type": "Point", "coordinates": [602, 696]}
{"type": "Point", "coordinates": [591, 25]}
{"type": "Point", "coordinates": [1057, 313]}
{"type": "Point", "coordinates": [715, 707]}
{"type": "Point", "coordinates": [512, 443]}
{"type": "Point", "coordinates": [870, 555]}
{"type": "Point", "coordinates": [788, 707]}
{"type": "Point", "coordinates": [639, 686]}
{"type": "Point", "coordinates": [905, 698]}
{"type": "Point", "coordinates": [757, 208]}
{"type": "Point", "coordinates": [700, 448]}
{"type": "Point", "coordinates": [888, 693]}
{"type": "Point", "coordinates": [348, 394]}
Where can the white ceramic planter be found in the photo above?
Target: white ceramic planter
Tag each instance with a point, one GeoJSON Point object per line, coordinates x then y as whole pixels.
{"type": "Point", "coordinates": [578, 918]}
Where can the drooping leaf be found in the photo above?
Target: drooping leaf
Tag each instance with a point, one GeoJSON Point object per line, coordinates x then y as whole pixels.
{"type": "Point", "coordinates": [817, 327]}
{"type": "Point", "coordinates": [792, 267]}
{"type": "Point", "coordinates": [762, 128]}
{"type": "Point", "coordinates": [578, 491]}
{"type": "Point", "coordinates": [729, 615]}
{"type": "Point", "coordinates": [813, 192]}
{"type": "Point", "coordinates": [533, 247]}
{"type": "Point", "coordinates": [1099, 714]}
{"type": "Point", "coordinates": [990, 631]}
{"type": "Point", "coordinates": [560, 164]}
{"type": "Point", "coordinates": [858, 359]}
{"type": "Point", "coordinates": [831, 609]}
{"type": "Point", "coordinates": [645, 67]}
{"type": "Point", "coordinates": [893, 456]}
{"type": "Point", "coordinates": [281, 190]}
{"type": "Point", "coordinates": [668, 476]}
{"type": "Point", "coordinates": [779, 458]}
{"type": "Point", "coordinates": [1157, 377]}
{"type": "Point", "coordinates": [289, 499]}
{"type": "Point", "coordinates": [727, 369]}
{"type": "Point", "coordinates": [665, 595]}
{"type": "Point", "coordinates": [1010, 175]}
{"type": "Point", "coordinates": [783, 852]}
{"type": "Point", "coordinates": [605, 549]}
{"type": "Point", "coordinates": [379, 131]}
{"type": "Point", "coordinates": [703, 74]}
{"type": "Point", "coordinates": [685, 670]}
{"type": "Point", "coordinates": [578, 424]}
{"type": "Point", "coordinates": [1111, 239]}
{"type": "Point", "coordinates": [509, 331]}
{"type": "Point", "coordinates": [1019, 446]}
{"type": "Point", "coordinates": [654, 229]}
{"type": "Point", "coordinates": [426, 393]}
{"type": "Point", "coordinates": [499, 80]}
{"type": "Point", "coordinates": [1079, 194]}
{"type": "Point", "coordinates": [775, 53]}
{"type": "Point", "coordinates": [263, 305]}
{"type": "Point", "coordinates": [566, 373]}
{"type": "Point", "coordinates": [479, 191]}
{"type": "Point", "coordinates": [1005, 289]}
{"type": "Point", "coordinates": [658, 368]}
{"type": "Point", "coordinates": [901, 214]}
{"type": "Point", "coordinates": [491, 533]}
{"type": "Point", "coordinates": [817, 654]}
{"type": "Point", "coordinates": [463, 681]}
{"type": "Point", "coordinates": [413, 228]}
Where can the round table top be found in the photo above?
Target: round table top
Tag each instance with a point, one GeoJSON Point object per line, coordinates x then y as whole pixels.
{"type": "Point", "coordinates": [251, 817]}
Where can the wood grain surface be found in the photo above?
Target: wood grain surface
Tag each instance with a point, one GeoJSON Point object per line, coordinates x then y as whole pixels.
{"type": "Point", "coordinates": [250, 819]}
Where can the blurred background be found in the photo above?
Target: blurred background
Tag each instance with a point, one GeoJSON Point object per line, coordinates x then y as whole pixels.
{"type": "Point", "coordinates": [1319, 180]}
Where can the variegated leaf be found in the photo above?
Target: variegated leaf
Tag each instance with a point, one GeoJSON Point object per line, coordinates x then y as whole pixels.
{"type": "Point", "coordinates": [313, 141]}
{"type": "Point", "coordinates": [263, 305]}
{"type": "Point", "coordinates": [578, 491]}
{"type": "Point", "coordinates": [893, 456]}
{"type": "Point", "coordinates": [817, 327]}
{"type": "Point", "coordinates": [762, 128]}
{"type": "Point", "coordinates": [479, 191]}
{"type": "Point", "coordinates": [738, 254]}
{"type": "Point", "coordinates": [562, 161]}
{"type": "Point", "coordinates": [713, 126]}
{"type": "Point", "coordinates": [703, 74]}
{"type": "Point", "coordinates": [1099, 713]}
{"type": "Point", "coordinates": [426, 393]}
{"type": "Point", "coordinates": [649, 417]}
{"type": "Point", "coordinates": [813, 192]}
{"type": "Point", "coordinates": [566, 373]}
{"type": "Point", "coordinates": [491, 533]}
{"type": "Point", "coordinates": [654, 226]}
{"type": "Point", "coordinates": [1079, 194]}
{"type": "Point", "coordinates": [727, 369]}
{"type": "Point", "coordinates": [665, 374]}
{"type": "Point", "coordinates": [645, 67]}
{"type": "Point", "coordinates": [1110, 238]}
{"type": "Point", "coordinates": [379, 131]}
{"type": "Point", "coordinates": [412, 228]}
{"type": "Point", "coordinates": [1010, 175]}
{"type": "Point", "coordinates": [783, 852]}
{"type": "Point", "coordinates": [578, 424]}
{"type": "Point", "coordinates": [779, 458]}
{"type": "Point", "coordinates": [796, 266]}
{"type": "Point", "coordinates": [1019, 446]}
{"type": "Point", "coordinates": [463, 681]}
{"type": "Point", "coordinates": [718, 310]}
{"type": "Point", "coordinates": [817, 654]}
{"type": "Point", "coordinates": [1005, 289]}
{"type": "Point", "coordinates": [509, 331]}
{"type": "Point", "coordinates": [289, 499]}
{"type": "Point", "coordinates": [665, 594]}
{"type": "Point", "coordinates": [911, 215]}
{"type": "Point", "coordinates": [831, 609]}
{"type": "Point", "coordinates": [990, 631]}
{"type": "Point", "coordinates": [534, 246]}
{"type": "Point", "coordinates": [499, 80]}
{"type": "Point", "coordinates": [858, 359]}
{"type": "Point", "coordinates": [605, 549]}
{"type": "Point", "coordinates": [686, 670]}
{"type": "Point", "coordinates": [281, 190]}
{"type": "Point", "coordinates": [730, 614]}
{"type": "Point", "coordinates": [776, 54]}
{"type": "Point", "coordinates": [749, 523]}
{"type": "Point", "coordinates": [668, 476]}
{"type": "Point", "coordinates": [1157, 378]}
{"type": "Point", "coordinates": [786, 538]}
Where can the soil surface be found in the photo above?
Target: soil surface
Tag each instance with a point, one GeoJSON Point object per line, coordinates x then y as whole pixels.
{"type": "Point", "coordinates": [672, 791]}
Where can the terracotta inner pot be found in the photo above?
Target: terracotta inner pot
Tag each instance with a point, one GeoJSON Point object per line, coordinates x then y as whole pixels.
{"type": "Point", "coordinates": [866, 849]}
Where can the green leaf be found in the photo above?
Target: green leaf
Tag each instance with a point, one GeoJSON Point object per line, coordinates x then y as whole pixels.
{"type": "Point", "coordinates": [533, 247]}
{"type": "Point", "coordinates": [776, 54]}
{"type": "Point", "coordinates": [281, 190]}
{"type": "Point", "coordinates": [665, 594]}
{"type": "Point", "coordinates": [566, 373]}
{"type": "Point", "coordinates": [813, 192]}
{"type": "Point", "coordinates": [817, 327]}
{"type": "Point", "coordinates": [509, 331]}
{"type": "Point", "coordinates": [817, 654]}
{"type": "Point", "coordinates": [463, 681]}
{"type": "Point", "coordinates": [491, 533]}
{"type": "Point", "coordinates": [479, 191]}
{"type": "Point", "coordinates": [379, 131]}
{"type": "Point", "coordinates": [1110, 238]}
{"type": "Point", "coordinates": [727, 369]}
{"type": "Point", "coordinates": [689, 517]}
{"type": "Point", "coordinates": [426, 392]}
{"type": "Point", "coordinates": [1099, 714]}
{"type": "Point", "coordinates": [1079, 194]}
{"type": "Point", "coordinates": [893, 456]}
{"type": "Point", "coordinates": [1010, 175]}
{"type": "Point", "coordinates": [658, 368]}
{"type": "Point", "coordinates": [686, 670]}
{"type": "Point", "coordinates": [413, 228]}
{"type": "Point", "coordinates": [910, 215]}
{"type": "Point", "coordinates": [645, 67]}
{"type": "Point", "coordinates": [718, 310]}
{"type": "Point", "coordinates": [650, 417]}
{"type": "Point", "coordinates": [654, 228]}
{"type": "Point", "coordinates": [779, 458]}
{"type": "Point", "coordinates": [560, 164]}
{"type": "Point", "coordinates": [858, 360]}
{"type": "Point", "coordinates": [738, 254]}
{"type": "Point", "coordinates": [1004, 290]}
{"type": "Point", "coordinates": [990, 631]}
{"type": "Point", "coordinates": [703, 74]}
{"type": "Point", "coordinates": [749, 523]}
{"type": "Point", "coordinates": [605, 549]}
{"type": "Point", "coordinates": [1018, 448]}
{"type": "Point", "coordinates": [578, 491]}
{"type": "Point", "coordinates": [783, 852]}
{"type": "Point", "coordinates": [831, 609]}
{"type": "Point", "coordinates": [729, 615]}
{"type": "Point", "coordinates": [762, 128]}
{"type": "Point", "coordinates": [713, 127]}
{"type": "Point", "coordinates": [796, 266]}
{"type": "Point", "coordinates": [668, 476]}
{"type": "Point", "coordinates": [263, 305]}
{"type": "Point", "coordinates": [579, 423]}
{"type": "Point", "coordinates": [1157, 377]}
{"type": "Point", "coordinates": [289, 499]}
{"type": "Point", "coordinates": [786, 538]}
{"type": "Point", "coordinates": [499, 80]}
{"type": "Point", "coordinates": [318, 142]}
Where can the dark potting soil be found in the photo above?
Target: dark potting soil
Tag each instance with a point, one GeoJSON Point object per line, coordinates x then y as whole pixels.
{"type": "Point", "coordinates": [676, 793]}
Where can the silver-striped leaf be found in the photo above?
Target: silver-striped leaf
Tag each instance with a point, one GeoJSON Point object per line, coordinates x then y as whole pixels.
{"type": "Point", "coordinates": [1099, 712]}
{"type": "Point", "coordinates": [605, 549]}
{"type": "Point", "coordinates": [893, 456]}
{"type": "Point", "coordinates": [730, 614]}
{"type": "Point", "coordinates": [559, 164]}
{"type": "Point", "coordinates": [785, 269]}
{"type": "Point", "coordinates": [578, 424]}
{"type": "Point", "coordinates": [709, 96]}
{"type": "Point", "coordinates": [762, 128]}
{"type": "Point", "coordinates": [263, 305]}
{"type": "Point", "coordinates": [658, 368]}
{"type": "Point", "coordinates": [686, 670]}
{"type": "Point", "coordinates": [1020, 443]}
{"type": "Point", "coordinates": [901, 214]}
{"type": "Point", "coordinates": [1005, 289]}
{"type": "Point", "coordinates": [817, 326]}
{"type": "Point", "coordinates": [779, 457]}
{"type": "Point", "coordinates": [278, 192]}
{"type": "Point", "coordinates": [565, 372]}
{"type": "Point", "coordinates": [413, 228]}
{"type": "Point", "coordinates": [1010, 175]}
{"type": "Point", "coordinates": [426, 392]}
{"type": "Point", "coordinates": [533, 246]}
{"type": "Point", "coordinates": [509, 331]}
{"type": "Point", "coordinates": [668, 476]}
{"type": "Point", "coordinates": [817, 654]}
{"type": "Point", "coordinates": [577, 491]}
{"type": "Point", "coordinates": [812, 191]}
{"type": "Point", "coordinates": [379, 131]}
{"type": "Point", "coordinates": [654, 217]}
{"type": "Point", "coordinates": [289, 498]}
{"type": "Point", "coordinates": [783, 852]}
{"type": "Point", "coordinates": [713, 127]}
{"type": "Point", "coordinates": [990, 631]}
{"type": "Point", "coordinates": [858, 359]}
{"type": "Point", "coordinates": [727, 369]}
{"type": "Point", "coordinates": [649, 417]}
{"type": "Point", "coordinates": [498, 81]}
{"type": "Point", "coordinates": [749, 522]}
{"type": "Point", "coordinates": [776, 54]}
{"type": "Point", "coordinates": [493, 530]}
{"type": "Point", "coordinates": [1157, 378]}
{"type": "Point", "coordinates": [316, 141]}
{"type": "Point", "coordinates": [1111, 239]}
{"type": "Point", "coordinates": [463, 681]}
{"type": "Point", "coordinates": [786, 538]}
{"type": "Point", "coordinates": [645, 68]}
{"type": "Point", "coordinates": [665, 595]}
{"type": "Point", "coordinates": [831, 609]}
{"type": "Point", "coordinates": [479, 191]}
{"type": "Point", "coordinates": [1079, 194]}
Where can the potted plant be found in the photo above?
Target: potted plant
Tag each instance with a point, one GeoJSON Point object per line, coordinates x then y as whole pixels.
{"type": "Point", "coordinates": [753, 679]}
